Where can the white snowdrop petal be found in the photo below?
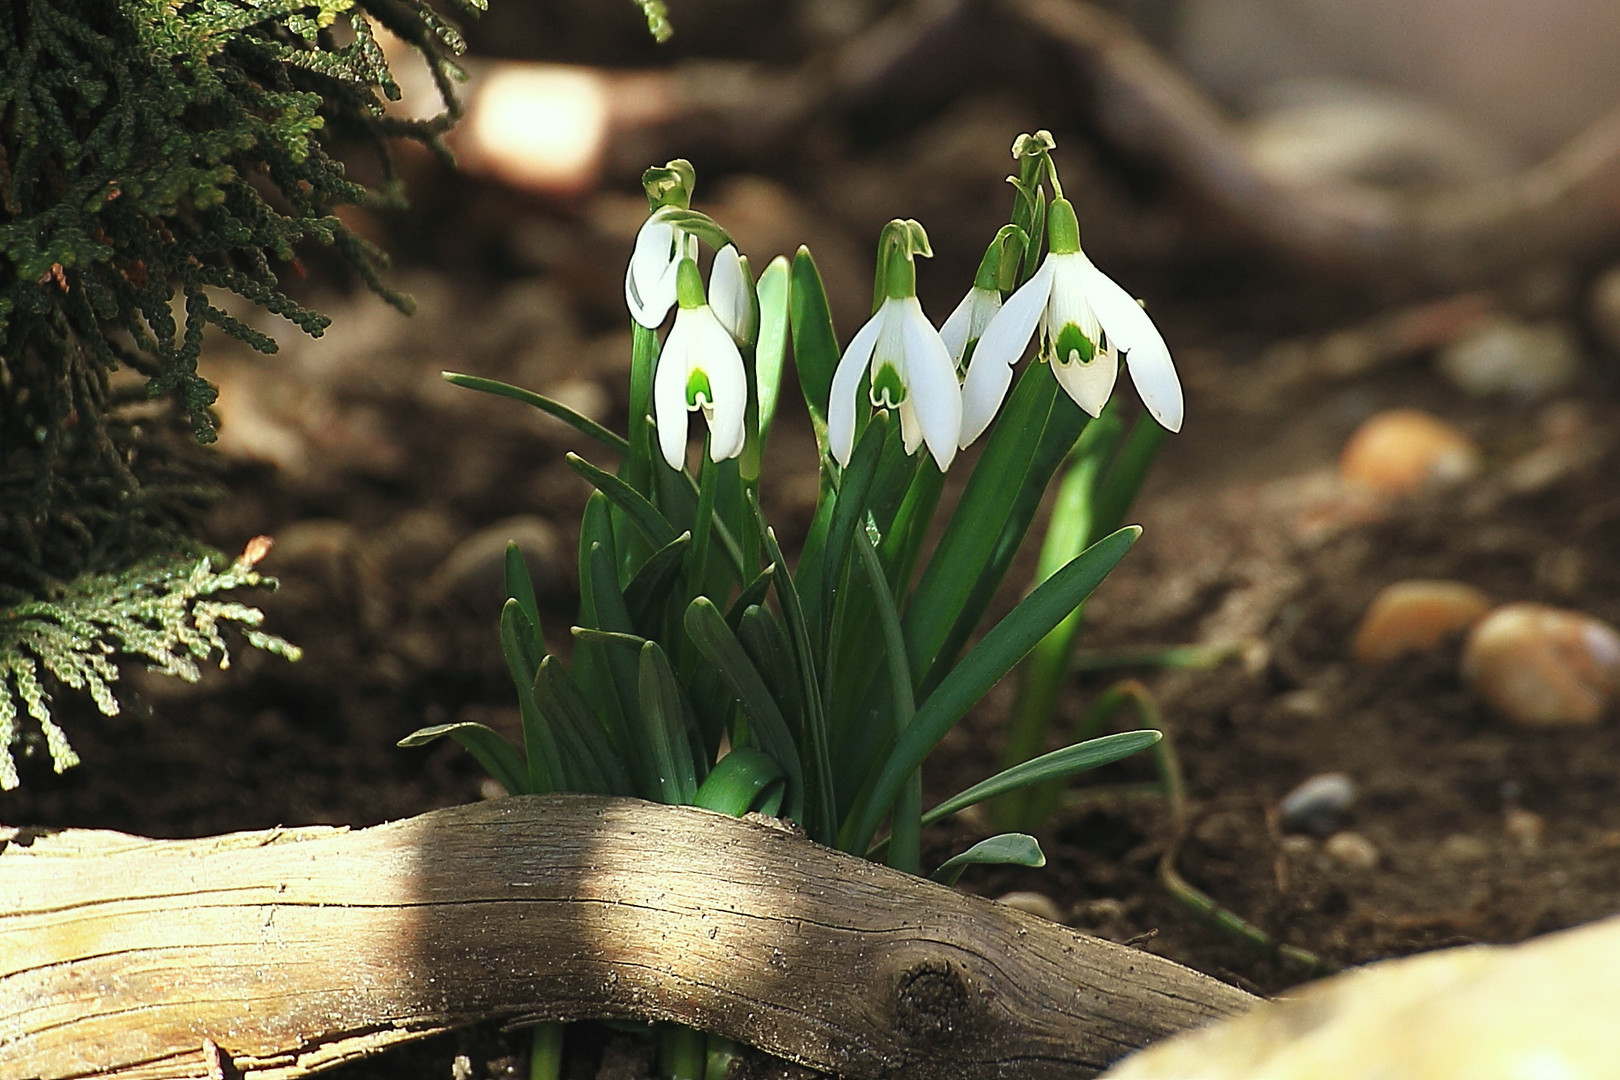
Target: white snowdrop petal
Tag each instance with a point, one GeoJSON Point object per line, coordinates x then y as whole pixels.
{"type": "Point", "coordinates": [931, 385]}
{"type": "Point", "coordinates": [911, 433]}
{"type": "Point", "coordinates": [846, 384]}
{"type": "Point", "coordinates": [669, 393]}
{"type": "Point", "coordinates": [728, 293]}
{"type": "Point", "coordinates": [989, 372]}
{"type": "Point", "coordinates": [1070, 303]}
{"type": "Point", "coordinates": [955, 331]}
{"type": "Point", "coordinates": [649, 280]}
{"type": "Point", "coordinates": [1132, 332]}
{"type": "Point", "coordinates": [729, 381]}
{"type": "Point", "coordinates": [1089, 384]}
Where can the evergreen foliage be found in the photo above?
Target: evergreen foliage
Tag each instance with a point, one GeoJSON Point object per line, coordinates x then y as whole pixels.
{"type": "Point", "coordinates": [156, 155]}
{"type": "Point", "coordinates": [165, 610]}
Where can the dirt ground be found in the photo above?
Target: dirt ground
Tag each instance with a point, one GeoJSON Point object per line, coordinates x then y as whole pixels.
{"type": "Point", "coordinates": [391, 495]}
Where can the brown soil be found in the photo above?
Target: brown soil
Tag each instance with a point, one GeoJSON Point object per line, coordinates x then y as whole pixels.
{"type": "Point", "coordinates": [373, 475]}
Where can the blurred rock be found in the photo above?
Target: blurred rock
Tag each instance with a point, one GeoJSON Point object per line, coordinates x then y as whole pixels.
{"type": "Point", "coordinates": [1035, 903]}
{"type": "Point", "coordinates": [1507, 1012]}
{"type": "Point", "coordinates": [1525, 361]}
{"type": "Point", "coordinates": [1321, 131]}
{"type": "Point", "coordinates": [1352, 850]}
{"type": "Point", "coordinates": [1416, 616]}
{"type": "Point", "coordinates": [1318, 804]}
{"type": "Point", "coordinates": [1525, 829]}
{"type": "Point", "coordinates": [1462, 848]}
{"type": "Point", "coordinates": [473, 576]}
{"type": "Point", "coordinates": [1402, 451]}
{"type": "Point", "coordinates": [1540, 665]}
{"type": "Point", "coordinates": [1604, 307]}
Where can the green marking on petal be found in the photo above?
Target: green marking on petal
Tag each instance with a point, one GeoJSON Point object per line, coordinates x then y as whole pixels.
{"type": "Point", "coordinates": [1072, 341]}
{"type": "Point", "coordinates": [888, 390]}
{"type": "Point", "coordinates": [697, 386]}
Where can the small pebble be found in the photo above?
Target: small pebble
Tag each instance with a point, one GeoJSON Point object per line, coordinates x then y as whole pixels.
{"type": "Point", "coordinates": [1539, 665]}
{"type": "Point", "coordinates": [1317, 804]}
{"type": "Point", "coordinates": [1351, 849]}
{"type": "Point", "coordinates": [1402, 451]}
{"type": "Point", "coordinates": [1526, 361]}
{"type": "Point", "coordinates": [1525, 829]}
{"type": "Point", "coordinates": [1035, 903]}
{"type": "Point", "coordinates": [1416, 616]}
{"type": "Point", "coordinates": [491, 788]}
{"type": "Point", "coordinates": [1463, 848]}
{"type": "Point", "coordinates": [1296, 846]}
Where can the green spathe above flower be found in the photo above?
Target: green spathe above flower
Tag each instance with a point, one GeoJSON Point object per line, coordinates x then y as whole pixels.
{"type": "Point", "coordinates": [912, 371]}
{"type": "Point", "coordinates": [967, 324]}
{"type": "Point", "coordinates": [1087, 322]}
{"type": "Point", "coordinates": [699, 369]}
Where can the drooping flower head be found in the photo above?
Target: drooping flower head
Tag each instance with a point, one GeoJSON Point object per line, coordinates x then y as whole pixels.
{"type": "Point", "coordinates": [911, 370]}
{"type": "Point", "coordinates": [670, 234]}
{"type": "Point", "coordinates": [699, 369]}
{"type": "Point", "coordinates": [997, 270]}
{"type": "Point", "coordinates": [1087, 324]}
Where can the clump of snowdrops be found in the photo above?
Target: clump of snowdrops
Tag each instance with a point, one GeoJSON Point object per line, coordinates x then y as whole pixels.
{"type": "Point", "coordinates": [708, 670]}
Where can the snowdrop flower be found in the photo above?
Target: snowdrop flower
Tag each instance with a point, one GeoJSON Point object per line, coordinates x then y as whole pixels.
{"type": "Point", "coordinates": [731, 295]}
{"type": "Point", "coordinates": [912, 373]}
{"type": "Point", "coordinates": [649, 280]}
{"type": "Point", "coordinates": [1087, 322]}
{"type": "Point", "coordinates": [699, 368]}
{"type": "Point", "coordinates": [966, 325]}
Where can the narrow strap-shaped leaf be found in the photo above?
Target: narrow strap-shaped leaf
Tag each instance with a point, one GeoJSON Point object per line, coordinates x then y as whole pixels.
{"type": "Point", "coordinates": [978, 671]}
{"type": "Point", "coordinates": [494, 753]}
{"type": "Point", "coordinates": [1125, 474]}
{"type": "Point", "coordinates": [849, 506]}
{"type": "Point", "coordinates": [739, 782]}
{"type": "Point", "coordinates": [649, 591]}
{"type": "Point", "coordinates": [545, 770]}
{"type": "Point", "coordinates": [1004, 849]}
{"type": "Point", "coordinates": [822, 823]}
{"type": "Point", "coordinates": [582, 424]}
{"type": "Point", "coordinates": [520, 587]}
{"type": "Point", "coordinates": [614, 617]}
{"type": "Point", "coordinates": [591, 761]}
{"type": "Point", "coordinates": [1057, 765]}
{"type": "Point", "coordinates": [770, 354]}
{"type": "Point", "coordinates": [665, 724]}
{"type": "Point", "coordinates": [753, 594]}
{"type": "Point", "coordinates": [815, 343]}
{"type": "Point", "coordinates": [714, 639]}
{"type": "Point", "coordinates": [642, 514]}
{"type": "Point", "coordinates": [768, 647]}
{"type": "Point", "coordinates": [905, 822]}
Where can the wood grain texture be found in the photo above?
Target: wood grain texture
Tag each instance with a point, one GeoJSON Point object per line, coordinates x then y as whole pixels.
{"type": "Point", "coordinates": [273, 954]}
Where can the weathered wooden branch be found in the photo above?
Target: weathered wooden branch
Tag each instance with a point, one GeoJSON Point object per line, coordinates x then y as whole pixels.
{"type": "Point", "coordinates": [274, 954]}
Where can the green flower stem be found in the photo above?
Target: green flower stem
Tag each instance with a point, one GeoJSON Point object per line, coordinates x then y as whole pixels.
{"type": "Point", "coordinates": [697, 565]}
{"type": "Point", "coordinates": [546, 1051]}
{"type": "Point", "coordinates": [681, 1053]}
{"type": "Point", "coordinates": [905, 822]}
{"type": "Point", "coordinates": [636, 470]}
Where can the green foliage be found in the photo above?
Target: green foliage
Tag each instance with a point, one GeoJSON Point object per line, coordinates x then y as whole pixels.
{"type": "Point", "coordinates": [167, 611]}
{"type": "Point", "coordinates": [155, 154]}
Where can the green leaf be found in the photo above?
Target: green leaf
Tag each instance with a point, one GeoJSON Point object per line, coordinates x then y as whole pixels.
{"type": "Point", "coordinates": [714, 639]}
{"type": "Point", "coordinates": [849, 507]}
{"type": "Point", "coordinates": [520, 587]}
{"type": "Point", "coordinates": [544, 771]}
{"type": "Point", "coordinates": [750, 596]}
{"type": "Point", "coordinates": [494, 753]}
{"type": "Point", "coordinates": [821, 824]}
{"type": "Point", "coordinates": [582, 424]}
{"type": "Point", "coordinates": [642, 514]}
{"type": "Point", "coordinates": [653, 584]}
{"type": "Point", "coordinates": [739, 782]}
{"type": "Point", "coordinates": [1005, 849]}
{"type": "Point", "coordinates": [664, 715]}
{"type": "Point", "coordinates": [979, 670]}
{"type": "Point", "coordinates": [815, 343]}
{"type": "Point", "coordinates": [592, 764]}
{"type": "Point", "coordinates": [770, 354]}
{"type": "Point", "coordinates": [1058, 765]}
